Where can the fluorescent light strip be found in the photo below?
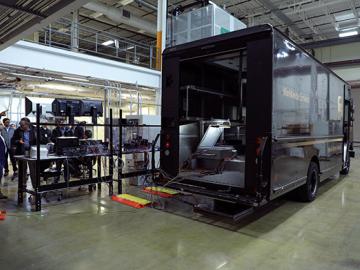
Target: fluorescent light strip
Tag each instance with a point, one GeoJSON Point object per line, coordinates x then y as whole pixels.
{"type": "Point", "coordinates": [125, 2]}
{"type": "Point", "coordinates": [75, 79]}
{"type": "Point", "coordinates": [348, 34]}
{"type": "Point", "coordinates": [108, 42]}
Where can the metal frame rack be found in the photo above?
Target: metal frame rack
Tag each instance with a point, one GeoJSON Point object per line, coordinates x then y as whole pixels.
{"type": "Point", "coordinates": [122, 175]}
{"type": "Point", "coordinates": [39, 189]}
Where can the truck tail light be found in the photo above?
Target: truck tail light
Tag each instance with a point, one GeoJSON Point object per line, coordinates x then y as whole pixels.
{"type": "Point", "coordinates": [167, 145]}
{"type": "Point", "coordinates": [167, 141]}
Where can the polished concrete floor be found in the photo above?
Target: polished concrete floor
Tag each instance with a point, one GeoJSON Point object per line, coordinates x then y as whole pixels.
{"type": "Point", "coordinates": [89, 231]}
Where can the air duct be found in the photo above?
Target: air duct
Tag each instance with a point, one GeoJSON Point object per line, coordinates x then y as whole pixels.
{"type": "Point", "coordinates": [146, 4]}
{"type": "Point", "coordinates": [120, 15]}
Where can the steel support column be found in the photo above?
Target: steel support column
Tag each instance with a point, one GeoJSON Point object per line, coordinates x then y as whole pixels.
{"type": "Point", "coordinates": [75, 31]}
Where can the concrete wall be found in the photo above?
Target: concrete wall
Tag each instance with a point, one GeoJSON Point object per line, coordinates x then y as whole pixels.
{"type": "Point", "coordinates": [349, 73]}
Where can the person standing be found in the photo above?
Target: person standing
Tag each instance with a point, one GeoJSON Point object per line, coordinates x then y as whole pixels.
{"type": "Point", "coordinates": [7, 133]}
{"type": "Point", "coordinates": [45, 133]}
{"type": "Point", "coordinates": [61, 131]}
{"type": "Point", "coordinates": [2, 162]}
{"type": "Point", "coordinates": [79, 130]}
{"type": "Point", "coordinates": [23, 138]}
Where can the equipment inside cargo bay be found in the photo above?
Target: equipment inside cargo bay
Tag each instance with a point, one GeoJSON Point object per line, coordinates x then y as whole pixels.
{"type": "Point", "coordinates": [190, 134]}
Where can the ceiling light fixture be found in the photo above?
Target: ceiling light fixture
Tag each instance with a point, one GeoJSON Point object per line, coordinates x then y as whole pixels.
{"type": "Point", "coordinates": [96, 15]}
{"type": "Point", "coordinates": [75, 78]}
{"type": "Point", "coordinates": [108, 42]}
{"type": "Point", "coordinates": [348, 34]}
{"type": "Point", "coordinates": [56, 86]}
{"type": "Point", "coordinates": [125, 2]}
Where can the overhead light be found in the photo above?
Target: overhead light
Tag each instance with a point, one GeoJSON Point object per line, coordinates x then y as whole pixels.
{"type": "Point", "coordinates": [130, 47]}
{"type": "Point", "coordinates": [108, 42]}
{"type": "Point", "coordinates": [117, 44]}
{"type": "Point", "coordinates": [352, 28]}
{"type": "Point", "coordinates": [125, 2]}
{"type": "Point", "coordinates": [96, 15]}
{"type": "Point", "coordinates": [56, 86]}
{"type": "Point", "coordinates": [63, 30]}
{"type": "Point", "coordinates": [343, 16]}
{"type": "Point", "coordinates": [348, 34]}
{"type": "Point", "coordinates": [75, 79]}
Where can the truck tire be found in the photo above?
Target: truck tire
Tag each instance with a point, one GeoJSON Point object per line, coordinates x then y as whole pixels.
{"type": "Point", "coordinates": [309, 190]}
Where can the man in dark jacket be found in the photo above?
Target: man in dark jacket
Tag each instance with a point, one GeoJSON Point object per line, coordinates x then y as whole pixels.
{"type": "Point", "coordinates": [60, 131]}
{"type": "Point", "coordinates": [24, 138]}
{"type": "Point", "coordinates": [45, 133]}
{"type": "Point", "coordinates": [79, 130]}
{"type": "Point", "coordinates": [2, 162]}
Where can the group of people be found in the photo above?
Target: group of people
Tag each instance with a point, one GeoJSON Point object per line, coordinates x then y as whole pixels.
{"type": "Point", "coordinates": [15, 141]}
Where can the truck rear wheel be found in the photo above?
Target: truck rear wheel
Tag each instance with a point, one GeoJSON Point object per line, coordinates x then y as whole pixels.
{"type": "Point", "coordinates": [309, 190]}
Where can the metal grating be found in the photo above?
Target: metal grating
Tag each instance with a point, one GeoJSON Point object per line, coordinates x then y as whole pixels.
{"type": "Point", "coordinates": [16, 17]}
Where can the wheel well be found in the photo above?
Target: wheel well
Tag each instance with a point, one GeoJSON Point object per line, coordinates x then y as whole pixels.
{"type": "Point", "coordinates": [316, 160]}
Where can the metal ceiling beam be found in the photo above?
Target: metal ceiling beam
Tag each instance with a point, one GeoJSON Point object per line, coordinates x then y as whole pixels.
{"type": "Point", "coordinates": [12, 5]}
{"type": "Point", "coordinates": [61, 8]}
{"type": "Point", "coordinates": [331, 42]}
{"type": "Point", "coordinates": [346, 63]}
{"type": "Point", "coordinates": [290, 9]}
{"type": "Point", "coordinates": [282, 16]}
{"type": "Point", "coordinates": [113, 25]}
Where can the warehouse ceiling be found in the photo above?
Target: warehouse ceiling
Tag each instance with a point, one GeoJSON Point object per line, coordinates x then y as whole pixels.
{"type": "Point", "coordinates": [305, 20]}
{"type": "Point", "coordinates": [19, 18]}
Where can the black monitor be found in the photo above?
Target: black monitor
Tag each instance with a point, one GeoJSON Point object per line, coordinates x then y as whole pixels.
{"type": "Point", "coordinates": [91, 107]}
{"type": "Point", "coordinates": [66, 107]}
{"type": "Point", "coordinates": [30, 105]}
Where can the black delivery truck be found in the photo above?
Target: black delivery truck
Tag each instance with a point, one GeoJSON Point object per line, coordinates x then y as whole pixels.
{"type": "Point", "coordinates": [248, 116]}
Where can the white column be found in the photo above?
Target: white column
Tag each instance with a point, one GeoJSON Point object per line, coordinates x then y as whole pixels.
{"type": "Point", "coordinates": [163, 24]}
{"type": "Point", "coordinates": [161, 44]}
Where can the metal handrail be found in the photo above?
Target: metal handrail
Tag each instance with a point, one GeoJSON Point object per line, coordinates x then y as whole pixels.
{"type": "Point", "coordinates": [90, 40]}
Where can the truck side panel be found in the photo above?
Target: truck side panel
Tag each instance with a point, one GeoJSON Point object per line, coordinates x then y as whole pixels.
{"type": "Point", "coordinates": [308, 105]}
